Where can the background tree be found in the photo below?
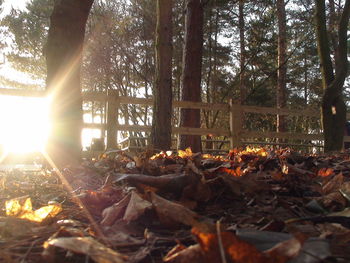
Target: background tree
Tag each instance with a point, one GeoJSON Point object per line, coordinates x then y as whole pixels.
{"type": "Point", "coordinates": [27, 29]}
{"type": "Point", "coordinates": [162, 92]}
{"type": "Point", "coordinates": [216, 63]}
{"type": "Point", "coordinates": [63, 53]}
{"type": "Point", "coordinates": [191, 74]}
{"type": "Point", "coordinates": [119, 54]}
{"type": "Point", "coordinates": [333, 106]}
{"type": "Point", "coordinates": [242, 55]}
{"type": "Point", "coordinates": [282, 63]}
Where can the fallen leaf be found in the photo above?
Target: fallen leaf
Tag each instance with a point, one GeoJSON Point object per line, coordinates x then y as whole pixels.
{"type": "Point", "coordinates": [136, 207]}
{"type": "Point", "coordinates": [334, 184]}
{"type": "Point", "coordinates": [237, 250]}
{"type": "Point", "coordinates": [325, 172]}
{"type": "Point", "coordinates": [112, 213]}
{"type": "Point", "coordinates": [22, 208]}
{"type": "Point", "coordinates": [182, 254]}
{"type": "Point", "coordinates": [169, 183]}
{"type": "Point", "coordinates": [240, 251]}
{"type": "Point", "coordinates": [170, 213]}
{"type": "Point", "coordinates": [288, 249]}
{"type": "Point", "coordinates": [88, 246]}
{"type": "Point", "coordinates": [234, 172]}
{"type": "Point", "coordinates": [185, 154]}
{"type": "Point", "coordinates": [98, 200]}
{"type": "Point", "coordinates": [334, 201]}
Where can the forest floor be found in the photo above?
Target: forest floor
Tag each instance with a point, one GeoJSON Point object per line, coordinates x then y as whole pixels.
{"type": "Point", "coordinates": [250, 206]}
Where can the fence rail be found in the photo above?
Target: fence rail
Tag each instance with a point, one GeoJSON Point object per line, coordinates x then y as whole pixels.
{"type": "Point", "coordinates": [235, 132]}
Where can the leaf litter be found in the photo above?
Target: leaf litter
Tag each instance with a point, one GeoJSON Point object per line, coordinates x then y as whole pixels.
{"type": "Point", "coordinates": [253, 205]}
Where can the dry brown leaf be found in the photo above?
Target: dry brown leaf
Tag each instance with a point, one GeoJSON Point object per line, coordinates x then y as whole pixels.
{"type": "Point", "coordinates": [345, 190]}
{"type": "Point", "coordinates": [288, 249]}
{"type": "Point", "coordinates": [112, 213]}
{"type": "Point", "coordinates": [170, 213]}
{"type": "Point", "coordinates": [173, 183]}
{"type": "Point", "coordinates": [88, 246]}
{"type": "Point", "coordinates": [136, 207]}
{"type": "Point", "coordinates": [334, 201]}
{"type": "Point", "coordinates": [334, 184]}
{"type": "Point", "coordinates": [182, 254]}
{"type": "Point", "coordinates": [247, 183]}
{"type": "Point", "coordinates": [98, 200]}
{"type": "Point", "coordinates": [171, 168]}
{"type": "Point", "coordinates": [175, 250]}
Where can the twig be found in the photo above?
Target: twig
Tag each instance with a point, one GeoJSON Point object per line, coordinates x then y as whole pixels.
{"type": "Point", "coordinates": [28, 250]}
{"type": "Point", "coordinates": [221, 247]}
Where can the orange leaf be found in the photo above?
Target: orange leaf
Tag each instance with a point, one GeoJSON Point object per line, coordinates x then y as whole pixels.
{"type": "Point", "coordinates": [325, 172]}
{"type": "Point", "coordinates": [233, 172]}
{"type": "Point", "coordinates": [240, 251]}
{"type": "Point", "coordinates": [237, 250]}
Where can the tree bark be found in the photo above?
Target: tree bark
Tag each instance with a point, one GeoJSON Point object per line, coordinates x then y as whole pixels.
{"type": "Point", "coordinates": [191, 75]}
{"type": "Point", "coordinates": [282, 66]}
{"type": "Point", "coordinates": [162, 108]}
{"type": "Point", "coordinates": [333, 106]}
{"type": "Point", "coordinates": [323, 44]}
{"type": "Point", "coordinates": [63, 53]}
{"type": "Point", "coordinates": [332, 26]}
{"type": "Point", "coordinates": [242, 56]}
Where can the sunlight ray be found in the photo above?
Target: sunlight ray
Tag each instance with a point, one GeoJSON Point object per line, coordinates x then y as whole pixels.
{"type": "Point", "coordinates": [89, 216]}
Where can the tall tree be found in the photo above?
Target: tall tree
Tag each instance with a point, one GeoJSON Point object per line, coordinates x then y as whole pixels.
{"type": "Point", "coordinates": [242, 55]}
{"type": "Point", "coordinates": [191, 74]}
{"type": "Point", "coordinates": [333, 106]}
{"type": "Point", "coordinates": [162, 108]}
{"type": "Point", "coordinates": [282, 66]}
{"type": "Point", "coordinates": [27, 31]}
{"type": "Point", "coordinates": [63, 53]}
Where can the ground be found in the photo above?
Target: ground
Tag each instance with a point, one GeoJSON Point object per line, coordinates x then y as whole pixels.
{"type": "Point", "coordinates": [249, 206]}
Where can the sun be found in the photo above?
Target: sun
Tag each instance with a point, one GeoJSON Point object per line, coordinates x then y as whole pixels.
{"type": "Point", "coordinates": [24, 124]}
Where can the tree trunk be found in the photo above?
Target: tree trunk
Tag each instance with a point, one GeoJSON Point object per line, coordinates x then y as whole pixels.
{"type": "Point", "coordinates": [242, 56]}
{"type": "Point", "coordinates": [162, 108]}
{"type": "Point", "coordinates": [282, 67]}
{"type": "Point", "coordinates": [63, 53]}
{"type": "Point", "coordinates": [333, 106]}
{"type": "Point", "coordinates": [323, 44]}
{"type": "Point", "coordinates": [208, 94]}
{"type": "Point", "coordinates": [333, 29]}
{"type": "Point", "coordinates": [191, 75]}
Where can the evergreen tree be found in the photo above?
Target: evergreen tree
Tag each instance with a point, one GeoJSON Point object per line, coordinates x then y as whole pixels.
{"type": "Point", "coordinates": [162, 92]}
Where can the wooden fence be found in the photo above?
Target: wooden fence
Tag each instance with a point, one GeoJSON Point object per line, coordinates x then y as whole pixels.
{"type": "Point", "coordinates": [235, 132]}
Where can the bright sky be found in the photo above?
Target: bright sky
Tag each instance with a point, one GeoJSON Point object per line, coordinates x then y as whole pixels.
{"type": "Point", "coordinates": [17, 4]}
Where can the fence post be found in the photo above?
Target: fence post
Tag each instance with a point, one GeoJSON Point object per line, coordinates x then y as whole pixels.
{"type": "Point", "coordinates": [235, 124]}
{"type": "Point", "coordinates": [112, 118]}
